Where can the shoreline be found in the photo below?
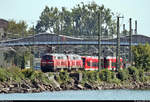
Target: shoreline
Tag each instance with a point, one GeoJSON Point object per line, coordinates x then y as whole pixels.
{"type": "Point", "coordinates": [15, 80]}
{"type": "Point", "coordinates": [36, 87]}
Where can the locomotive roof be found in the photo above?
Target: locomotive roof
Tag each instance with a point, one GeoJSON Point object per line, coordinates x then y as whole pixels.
{"type": "Point", "coordinates": [59, 54]}
{"type": "Point", "coordinates": [72, 55]}
{"type": "Point", "coordinates": [55, 54]}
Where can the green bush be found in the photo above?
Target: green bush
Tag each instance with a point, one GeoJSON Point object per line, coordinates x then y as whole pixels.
{"type": "Point", "coordinates": [42, 77]}
{"type": "Point", "coordinates": [115, 80]}
{"type": "Point", "coordinates": [28, 73]}
{"type": "Point", "coordinates": [35, 75]}
{"type": "Point", "coordinates": [147, 78]}
{"type": "Point", "coordinates": [123, 75]}
{"type": "Point", "coordinates": [147, 68]}
{"type": "Point", "coordinates": [15, 73]}
{"type": "Point", "coordinates": [141, 75]}
{"type": "Point", "coordinates": [64, 76]}
{"type": "Point", "coordinates": [3, 75]}
{"type": "Point", "coordinates": [11, 74]}
{"type": "Point", "coordinates": [91, 76]}
{"type": "Point", "coordinates": [133, 71]}
{"type": "Point", "coordinates": [50, 74]}
{"type": "Point", "coordinates": [106, 75]}
{"type": "Point", "coordinates": [84, 76]}
{"type": "Point", "coordinates": [97, 76]}
{"type": "Point", "coordinates": [113, 74]}
{"type": "Point", "coordinates": [57, 78]}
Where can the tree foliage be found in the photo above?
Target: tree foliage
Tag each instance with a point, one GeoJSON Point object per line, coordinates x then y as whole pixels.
{"type": "Point", "coordinates": [134, 72]}
{"type": "Point", "coordinates": [141, 55]}
{"type": "Point", "coordinates": [19, 57]}
{"type": "Point", "coordinates": [80, 20]}
{"type": "Point", "coordinates": [123, 74]}
{"type": "Point", "coordinates": [18, 29]}
{"type": "Point", "coordinates": [106, 75]}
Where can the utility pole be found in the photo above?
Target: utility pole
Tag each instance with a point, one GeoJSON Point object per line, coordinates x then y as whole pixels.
{"type": "Point", "coordinates": [124, 30]}
{"type": "Point", "coordinates": [136, 27]}
{"type": "Point", "coordinates": [99, 40]}
{"type": "Point", "coordinates": [130, 40]}
{"type": "Point", "coordinates": [33, 47]}
{"type": "Point", "coordinates": [118, 45]}
{"type": "Point", "coordinates": [124, 33]}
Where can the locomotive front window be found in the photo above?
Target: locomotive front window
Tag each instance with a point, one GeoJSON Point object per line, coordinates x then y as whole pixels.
{"type": "Point", "coordinates": [47, 57]}
{"type": "Point", "coordinates": [59, 57]}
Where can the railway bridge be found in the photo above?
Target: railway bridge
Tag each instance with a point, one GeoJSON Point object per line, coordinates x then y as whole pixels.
{"type": "Point", "coordinates": [55, 39]}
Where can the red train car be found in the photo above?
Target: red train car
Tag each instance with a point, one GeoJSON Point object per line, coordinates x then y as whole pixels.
{"type": "Point", "coordinates": [109, 63]}
{"type": "Point", "coordinates": [90, 62]}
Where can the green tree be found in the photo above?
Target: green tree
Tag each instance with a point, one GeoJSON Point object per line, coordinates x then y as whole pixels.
{"type": "Point", "coordinates": [123, 74]}
{"type": "Point", "coordinates": [47, 20]}
{"type": "Point", "coordinates": [16, 29]}
{"type": "Point", "coordinates": [18, 57]}
{"type": "Point", "coordinates": [9, 57]}
{"type": "Point", "coordinates": [81, 20]}
{"type": "Point", "coordinates": [31, 31]}
{"type": "Point", "coordinates": [125, 32]}
{"type": "Point", "coordinates": [141, 55]}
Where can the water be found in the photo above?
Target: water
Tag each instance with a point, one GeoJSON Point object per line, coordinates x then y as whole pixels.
{"type": "Point", "coordinates": [81, 95]}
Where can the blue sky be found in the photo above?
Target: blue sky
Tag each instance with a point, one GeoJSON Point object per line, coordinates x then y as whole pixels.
{"type": "Point", "coordinates": [30, 10]}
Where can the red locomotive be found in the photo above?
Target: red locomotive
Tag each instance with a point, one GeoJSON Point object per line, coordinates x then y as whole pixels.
{"type": "Point", "coordinates": [54, 62]}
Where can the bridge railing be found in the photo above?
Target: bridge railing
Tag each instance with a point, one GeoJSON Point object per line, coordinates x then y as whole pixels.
{"type": "Point", "coordinates": [96, 37]}
{"type": "Point", "coordinates": [64, 43]}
